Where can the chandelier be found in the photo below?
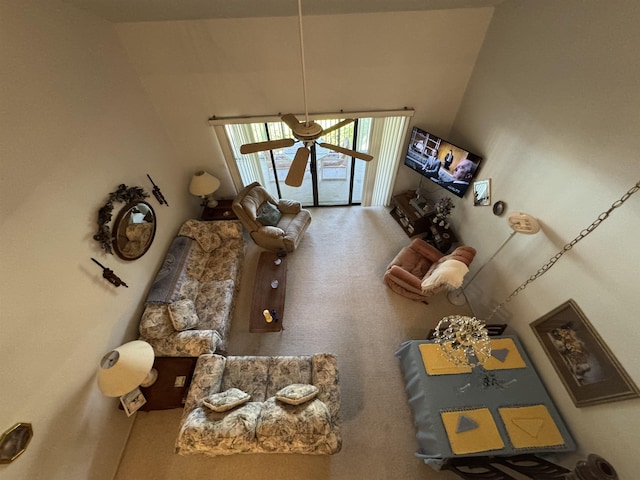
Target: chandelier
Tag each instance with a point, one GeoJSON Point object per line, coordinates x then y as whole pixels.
{"type": "Point", "coordinates": [463, 340]}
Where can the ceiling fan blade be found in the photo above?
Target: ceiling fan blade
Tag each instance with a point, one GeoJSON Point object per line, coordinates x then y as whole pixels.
{"type": "Point", "coordinates": [298, 166]}
{"type": "Point", "coordinates": [346, 151]}
{"type": "Point", "coordinates": [269, 145]}
{"type": "Point", "coordinates": [337, 126]}
{"type": "Point", "coordinates": [291, 120]}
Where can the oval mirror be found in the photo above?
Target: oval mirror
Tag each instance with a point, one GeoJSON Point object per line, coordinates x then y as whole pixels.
{"type": "Point", "coordinates": [134, 230]}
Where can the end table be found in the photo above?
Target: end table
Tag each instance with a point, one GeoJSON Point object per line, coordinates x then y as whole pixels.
{"type": "Point", "coordinates": [222, 211]}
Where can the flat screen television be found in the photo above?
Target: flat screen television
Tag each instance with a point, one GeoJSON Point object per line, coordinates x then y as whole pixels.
{"type": "Point", "coordinates": [443, 163]}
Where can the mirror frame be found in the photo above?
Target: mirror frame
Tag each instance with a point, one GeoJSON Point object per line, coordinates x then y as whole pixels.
{"type": "Point", "coordinates": [119, 230]}
{"type": "Point", "coordinates": [123, 194]}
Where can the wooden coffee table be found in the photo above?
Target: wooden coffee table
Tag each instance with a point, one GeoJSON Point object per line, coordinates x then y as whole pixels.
{"type": "Point", "coordinates": [265, 297]}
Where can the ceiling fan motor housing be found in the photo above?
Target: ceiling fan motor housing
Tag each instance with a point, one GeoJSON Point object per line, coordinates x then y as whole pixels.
{"type": "Point", "coordinates": [307, 131]}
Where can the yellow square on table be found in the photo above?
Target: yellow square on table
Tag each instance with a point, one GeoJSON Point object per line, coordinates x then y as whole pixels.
{"type": "Point", "coordinates": [484, 436]}
{"type": "Point", "coordinates": [513, 358]}
{"type": "Point", "coordinates": [436, 363]}
{"type": "Point", "coordinates": [531, 427]}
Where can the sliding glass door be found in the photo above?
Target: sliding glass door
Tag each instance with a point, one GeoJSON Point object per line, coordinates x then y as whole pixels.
{"type": "Point", "coordinates": [331, 178]}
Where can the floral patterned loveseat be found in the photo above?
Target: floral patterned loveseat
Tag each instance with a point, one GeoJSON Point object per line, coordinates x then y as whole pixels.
{"type": "Point", "coordinates": [258, 420]}
{"type": "Point", "coordinates": [189, 305]}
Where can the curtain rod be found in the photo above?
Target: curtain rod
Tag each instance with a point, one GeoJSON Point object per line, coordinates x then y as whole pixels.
{"type": "Point", "coordinates": [405, 112]}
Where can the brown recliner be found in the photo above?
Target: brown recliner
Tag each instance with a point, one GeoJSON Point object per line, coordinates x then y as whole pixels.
{"type": "Point", "coordinates": [420, 270]}
{"type": "Point", "coordinates": [276, 225]}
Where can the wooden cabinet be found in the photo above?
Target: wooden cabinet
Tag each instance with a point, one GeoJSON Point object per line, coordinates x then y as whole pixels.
{"type": "Point", "coordinates": [171, 387]}
{"type": "Point", "coordinates": [412, 218]}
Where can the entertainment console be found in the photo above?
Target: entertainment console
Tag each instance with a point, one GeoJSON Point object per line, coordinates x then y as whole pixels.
{"type": "Point", "coordinates": [416, 220]}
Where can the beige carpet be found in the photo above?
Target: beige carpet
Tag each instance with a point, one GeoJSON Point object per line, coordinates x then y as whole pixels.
{"type": "Point", "coordinates": [336, 302]}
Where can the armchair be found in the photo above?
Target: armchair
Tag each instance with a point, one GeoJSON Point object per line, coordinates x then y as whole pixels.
{"type": "Point", "coordinates": [419, 270]}
{"type": "Point", "coordinates": [273, 224]}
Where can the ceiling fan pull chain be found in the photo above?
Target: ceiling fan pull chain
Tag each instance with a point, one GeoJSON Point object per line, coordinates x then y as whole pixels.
{"type": "Point", "coordinates": [304, 76]}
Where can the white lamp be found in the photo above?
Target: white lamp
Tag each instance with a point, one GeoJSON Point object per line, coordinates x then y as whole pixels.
{"type": "Point", "coordinates": [203, 185]}
{"type": "Point", "coordinates": [126, 368]}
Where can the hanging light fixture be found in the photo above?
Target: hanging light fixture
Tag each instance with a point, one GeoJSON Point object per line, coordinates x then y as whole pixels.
{"type": "Point", "coordinates": [463, 340]}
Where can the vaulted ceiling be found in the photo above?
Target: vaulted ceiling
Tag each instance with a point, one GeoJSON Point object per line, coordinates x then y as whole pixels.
{"type": "Point", "coordinates": [159, 10]}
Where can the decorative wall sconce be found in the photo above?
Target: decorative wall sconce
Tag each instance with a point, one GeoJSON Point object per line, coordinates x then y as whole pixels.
{"type": "Point", "coordinates": [204, 185]}
{"type": "Point", "coordinates": [14, 442]}
{"type": "Point", "coordinates": [157, 193]}
{"type": "Point", "coordinates": [110, 276]}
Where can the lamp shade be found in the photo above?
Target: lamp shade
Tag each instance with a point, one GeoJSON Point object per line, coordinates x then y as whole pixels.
{"type": "Point", "coordinates": [203, 184]}
{"type": "Point", "coordinates": [125, 368]}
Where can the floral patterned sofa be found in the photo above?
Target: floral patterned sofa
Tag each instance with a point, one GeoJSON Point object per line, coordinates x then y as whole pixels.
{"type": "Point", "coordinates": [189, 305]}
{"type": "Point", "coordinates": [253, 404]}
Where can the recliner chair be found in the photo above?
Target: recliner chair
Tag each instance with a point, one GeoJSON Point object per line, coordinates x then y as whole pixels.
{"type": "Point", "coordinates": [420, 270]}
{"type": "Point", "coordinates": [276, 225]}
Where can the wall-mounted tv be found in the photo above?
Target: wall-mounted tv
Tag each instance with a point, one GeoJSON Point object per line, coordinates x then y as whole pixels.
{"type": "Point", "coordinates": [442, 162]}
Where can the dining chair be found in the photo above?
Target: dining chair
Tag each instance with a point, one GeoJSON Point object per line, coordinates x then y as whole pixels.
{"type": "Point", "coordinates": [476, 468]}
{"type": "Point", "coordinates": [533, 467]}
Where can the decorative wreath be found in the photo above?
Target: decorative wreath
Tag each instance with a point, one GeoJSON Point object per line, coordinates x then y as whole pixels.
{"type": "Point", "coordinates": [123, 194]}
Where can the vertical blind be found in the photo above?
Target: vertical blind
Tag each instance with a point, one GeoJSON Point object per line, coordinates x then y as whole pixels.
{"type": "Point", "coordinates": [385, 142]}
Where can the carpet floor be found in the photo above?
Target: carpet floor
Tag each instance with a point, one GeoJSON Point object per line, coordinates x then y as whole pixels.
{"type": "Point", "coordinates": [335, 302]}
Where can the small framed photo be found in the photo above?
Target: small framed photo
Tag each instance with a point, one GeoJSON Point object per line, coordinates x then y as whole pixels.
{"type": "Point", "coordinates": [132, 401]}
{"type": "Point", "coordinates": [589, 371]}
{"type": "Point", "coordinates": [482, 193]}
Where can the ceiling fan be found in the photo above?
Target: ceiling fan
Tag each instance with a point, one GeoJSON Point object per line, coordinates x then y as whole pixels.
{"type": "Point", "coordinates": [306, 131]}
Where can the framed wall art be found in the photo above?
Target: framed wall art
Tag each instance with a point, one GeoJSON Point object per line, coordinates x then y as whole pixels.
{"type": "Point", "coordinates": [482, 193]}
{"type": "Point", "coordinates": [589, 371]}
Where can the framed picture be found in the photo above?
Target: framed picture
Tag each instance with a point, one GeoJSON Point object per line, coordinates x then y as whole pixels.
{"type": "Point", "coordinates": [132, 401]}
{"type": "Point", "coordinates": [482, 193]}
{"type": "Point", "coordinates": [586, 366]}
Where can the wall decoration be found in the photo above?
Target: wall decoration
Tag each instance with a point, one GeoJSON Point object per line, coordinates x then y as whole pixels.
{"type": "Point", "coordinates": [590, 372]}
{"type": "Point", "coordinates": [14, 442]}
{"type": "Point", "coordinates": [109, 275]}
{"type": "Point", "coordinates": [157, 193]}
{"type": "Point", "coordinates": [135, 225]}
{"type": "Point", "coordinates": [482, 193]}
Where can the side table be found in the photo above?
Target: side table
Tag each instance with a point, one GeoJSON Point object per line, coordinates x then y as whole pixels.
{"type": "Point", "coordinates": [222, 211]}
{"type": "Point", "coordinates": [171, 387]}
{"type": "Point", "coordinates": [441, 238]}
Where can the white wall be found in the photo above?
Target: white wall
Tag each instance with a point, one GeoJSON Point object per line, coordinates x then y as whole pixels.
{"type": "Point", "coordinates": [553, 107]}
{"type": "Point", "coordinates": [75, 124]}
{"type": "Point", "coordinates": [195, 69]}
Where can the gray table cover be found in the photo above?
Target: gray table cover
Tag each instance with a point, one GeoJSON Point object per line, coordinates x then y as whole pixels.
{"type": "Point", "coordinates": [429, 395]}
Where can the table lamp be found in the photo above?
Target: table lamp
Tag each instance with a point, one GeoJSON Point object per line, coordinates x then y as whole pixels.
{"type": "Point", "coordinates": [126, 368]}
{"type": "Point", "coordinates": [203, 185]}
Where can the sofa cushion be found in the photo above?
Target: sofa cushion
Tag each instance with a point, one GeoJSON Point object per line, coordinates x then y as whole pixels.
{"type": "Point", "coordinates": [297, 393]}
{"type": "Point", "coordinates": [250, 374]}
{"type": "Point", "coordinates": [268, 215]}
{"type": "Point", "coordinates": [223, 401]}
{"type": "Point", "coordinates": [300, 428]}
{"type": "Point", "coordinates": [183, 315]}
{"type": "Point", "coordinates": [156, 322]}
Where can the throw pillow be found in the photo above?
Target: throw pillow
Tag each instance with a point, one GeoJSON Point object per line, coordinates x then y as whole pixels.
{"type": "Point", "coordinates": [183, 315]}
{"type": "Point", "coordinates": [268, 215]}
{"type": "Point", "coordinates": [297, 393]}
{"type": "Point", "coordinates": [223, 401]}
